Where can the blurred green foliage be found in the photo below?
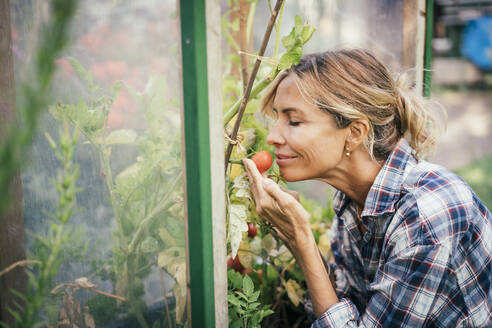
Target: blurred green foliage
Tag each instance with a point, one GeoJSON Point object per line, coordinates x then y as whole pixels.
{"type": "Point", "coordinates": [36, 93]}
{"type": "Point", "coordinates": [478, 175]}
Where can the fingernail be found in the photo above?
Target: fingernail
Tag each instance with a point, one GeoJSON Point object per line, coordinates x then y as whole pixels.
{"type": "Point", "coordinates": [267, 182]}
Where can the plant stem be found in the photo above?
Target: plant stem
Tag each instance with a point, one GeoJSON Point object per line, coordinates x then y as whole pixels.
{"type": "Point", "coordinates": [277, 31]}
{"type": "Point", "coordinates": [150, 217]}
{"type": "Point", "coordinates": [109, 182]}
{"type": "Point", "coordinates": [251, 80]}
{"type": "Point", "coordinates": [16, 264]}
{"type": "Point", "coordinates": [161, 274]}
{"type": "Point", "coordinates": [259, 87]}
{"type": "Point", "coordinates": [132, 297]}
{"type": "Point", "coordinates": [231, 39]}
{"type": "Point", "coordinates": [244, 8]}
{"type": "Point", "coordinates": [249, 26]}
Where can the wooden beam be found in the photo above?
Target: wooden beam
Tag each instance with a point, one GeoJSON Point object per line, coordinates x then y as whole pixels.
{"type": "Point", "coordinates": [413, 39]}
{"type": "Point", "coordinates": [214, 73]}
{"type": "Point", "coordinates": [12, 228]}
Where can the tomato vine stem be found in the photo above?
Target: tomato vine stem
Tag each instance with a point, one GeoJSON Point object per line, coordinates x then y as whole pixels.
{"type": "Point", "coordinates": [251, 80]}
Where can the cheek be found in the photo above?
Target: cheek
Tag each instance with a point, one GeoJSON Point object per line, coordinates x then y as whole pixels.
{"type": "Point", "coordinates": [323, 149]}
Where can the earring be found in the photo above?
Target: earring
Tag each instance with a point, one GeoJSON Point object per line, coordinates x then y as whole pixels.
{"type": "Point", "coordinates": [347, 153]}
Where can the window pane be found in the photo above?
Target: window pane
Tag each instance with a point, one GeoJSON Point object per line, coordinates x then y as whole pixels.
{"type": "Point", "coordinates": [118, 86]}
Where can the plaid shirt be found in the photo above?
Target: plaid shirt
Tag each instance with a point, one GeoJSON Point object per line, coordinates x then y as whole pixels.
{"type": "Point", "coordinates": [425, 259]}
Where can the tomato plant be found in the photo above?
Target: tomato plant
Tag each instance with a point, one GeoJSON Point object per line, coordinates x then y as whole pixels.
{"type": "Point", "coordinates": [251, 240]}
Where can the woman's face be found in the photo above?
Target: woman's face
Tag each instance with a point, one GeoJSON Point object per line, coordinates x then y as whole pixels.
{"type": "Point", "coordinates": [308, 145]}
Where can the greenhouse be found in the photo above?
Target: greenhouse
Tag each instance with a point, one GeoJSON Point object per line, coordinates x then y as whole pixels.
{"type": "Point", "coordinates": [123, 128]}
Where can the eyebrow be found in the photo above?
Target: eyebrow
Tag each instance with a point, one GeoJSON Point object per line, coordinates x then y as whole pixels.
{"type": "Point", "coordinates": [286, 110]}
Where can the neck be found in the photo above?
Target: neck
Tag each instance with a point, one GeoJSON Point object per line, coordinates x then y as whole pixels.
{"type": "Point", "coordinates": [354, 176]}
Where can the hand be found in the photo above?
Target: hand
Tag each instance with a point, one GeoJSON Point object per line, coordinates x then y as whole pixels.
{"type": "Point", "coordinates": [281, 208]}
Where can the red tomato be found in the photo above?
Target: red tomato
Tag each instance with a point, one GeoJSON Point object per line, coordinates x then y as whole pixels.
{"type": "Point", "coordinates": [252, 230]}
{"type": "Point", "coordinates": [235, 264]}
{"type": "Point", "coordinates": [247, 271]}
{"type": "Point", "coordinates": [263, 160]}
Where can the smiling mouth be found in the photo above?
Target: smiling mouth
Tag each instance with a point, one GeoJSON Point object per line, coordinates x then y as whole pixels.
{"type": "Point", "coordinates": [283, 159]}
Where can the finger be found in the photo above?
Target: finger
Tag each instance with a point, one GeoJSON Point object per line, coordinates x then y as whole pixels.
{"type": "Point", "coordinates": [280, 234]}
{"type": "Point", "coordinates": [294, 194]}
{"type": "Point", "coordinates": [255, 178]}
{"type": "Point", "coordinates": [281, 197]}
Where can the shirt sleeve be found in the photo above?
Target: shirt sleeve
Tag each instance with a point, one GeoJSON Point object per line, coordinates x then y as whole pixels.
{"type": "Point", "coordinates": [404, 292]}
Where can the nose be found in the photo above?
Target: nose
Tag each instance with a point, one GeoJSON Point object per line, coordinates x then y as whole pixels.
{"type": "Point", "coordinates": [274, 135]}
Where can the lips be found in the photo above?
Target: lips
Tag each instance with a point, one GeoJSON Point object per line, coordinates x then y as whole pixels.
{"type": "Point", "coordinates": [283, 159]}
{"type": "Point", "coordinates": [280, 156]}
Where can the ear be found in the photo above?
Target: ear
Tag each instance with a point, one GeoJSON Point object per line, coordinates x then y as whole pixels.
{"type": "Point", "coordinates": [358, 130]}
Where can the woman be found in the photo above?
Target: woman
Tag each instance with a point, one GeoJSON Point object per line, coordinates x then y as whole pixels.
{"type": "Point", "coordinates": [412, 242]}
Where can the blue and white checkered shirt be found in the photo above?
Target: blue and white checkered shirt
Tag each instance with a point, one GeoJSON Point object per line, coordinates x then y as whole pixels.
{"type": "Point", "coordinates": [425, 259]}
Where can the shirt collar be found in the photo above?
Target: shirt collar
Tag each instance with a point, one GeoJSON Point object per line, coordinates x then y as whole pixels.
{"type": "Point", "coordinates": [385, 191]}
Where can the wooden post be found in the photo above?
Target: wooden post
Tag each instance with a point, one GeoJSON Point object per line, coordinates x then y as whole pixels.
{"type": "Point", "coordinates": [413, 39]}
{"type": "Point", "coordinates": [214, 74]}
{"type": "Point", "coordinates": [12, 220]}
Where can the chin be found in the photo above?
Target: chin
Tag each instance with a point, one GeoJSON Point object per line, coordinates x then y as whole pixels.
{"type": "Point", "coordinates": [291, 176]}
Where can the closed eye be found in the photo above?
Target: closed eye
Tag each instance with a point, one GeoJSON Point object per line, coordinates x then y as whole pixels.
{"type": "Point", "coordinates": [294, 123]}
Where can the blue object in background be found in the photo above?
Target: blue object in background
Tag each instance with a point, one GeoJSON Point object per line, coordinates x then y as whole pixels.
{"type": "Point", "coordinates": [477, 42]}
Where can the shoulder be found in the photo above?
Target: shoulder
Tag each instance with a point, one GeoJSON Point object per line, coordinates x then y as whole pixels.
{"type": "Point", "coordinates": [437, 207]}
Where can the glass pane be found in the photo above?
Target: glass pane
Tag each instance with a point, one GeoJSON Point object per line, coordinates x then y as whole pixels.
{"type": "Point", "coordinates": [122, 255]}
{"type": "Point", "coordinates": [375, 25]}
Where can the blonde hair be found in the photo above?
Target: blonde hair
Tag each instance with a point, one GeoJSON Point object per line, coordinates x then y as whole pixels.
{"type": "Point", "coordinates": [353, 84]}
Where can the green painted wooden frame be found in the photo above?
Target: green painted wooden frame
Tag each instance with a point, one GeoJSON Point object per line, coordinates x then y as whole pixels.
{"type": "Point", "coordinates": [197, 159]}
{"type": "Point", "coordinates": [429, 20]}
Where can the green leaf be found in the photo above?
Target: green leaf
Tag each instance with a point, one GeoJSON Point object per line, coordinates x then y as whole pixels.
{"type": "Point", "coordinates": [149, 245]}
{"type": "Point", "coordinates": [78, 68]}
{"type": "Point", "coordinates": [290, 58]}
{"type": "Point", "coordinates": [19, 295]}
{"type": "Point", "coordinates": [240, 294]}
{"type": "Point", "coordinates": [234, 300]}
{"type": "Point", "coordinates": [256, 318]}
{"type": "Point", "coordinates": [121, 137]}
{"type": "Point", "coordinates": [298, 25]}
{"type": "Point", "coordinates": [15, 314]}
{"type": "Point", "coordinates": [307, 33]}
{"type": "Point", "coordinates": [294, 291]}
{"type": "Point", "coordinates": [265, 313]}
{"type": "Point", "coordinates": [248, 286]}
{"type": "Point", "coordinates": [254, 296]}
{"type": "Point", "coordinates": [238, 213]}
{"type": "Point", "coordinates": [272, 273]}
{"type": "Point", "coordinates": [237, 324]}
{"type": "Point", "coordinates": [269, 243]}
{"type": "Point", "coordinates": [235, 278]}
{"type": "Point", "coordinates": [115, 88]}
{"type": "Point", "coordinates": [289, 40]}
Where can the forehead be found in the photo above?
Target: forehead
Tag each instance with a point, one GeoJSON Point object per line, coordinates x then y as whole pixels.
{"type": "Point", "coordinates": [287, 93]}
{"type": "Point", "coordinates": [289, 96]}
